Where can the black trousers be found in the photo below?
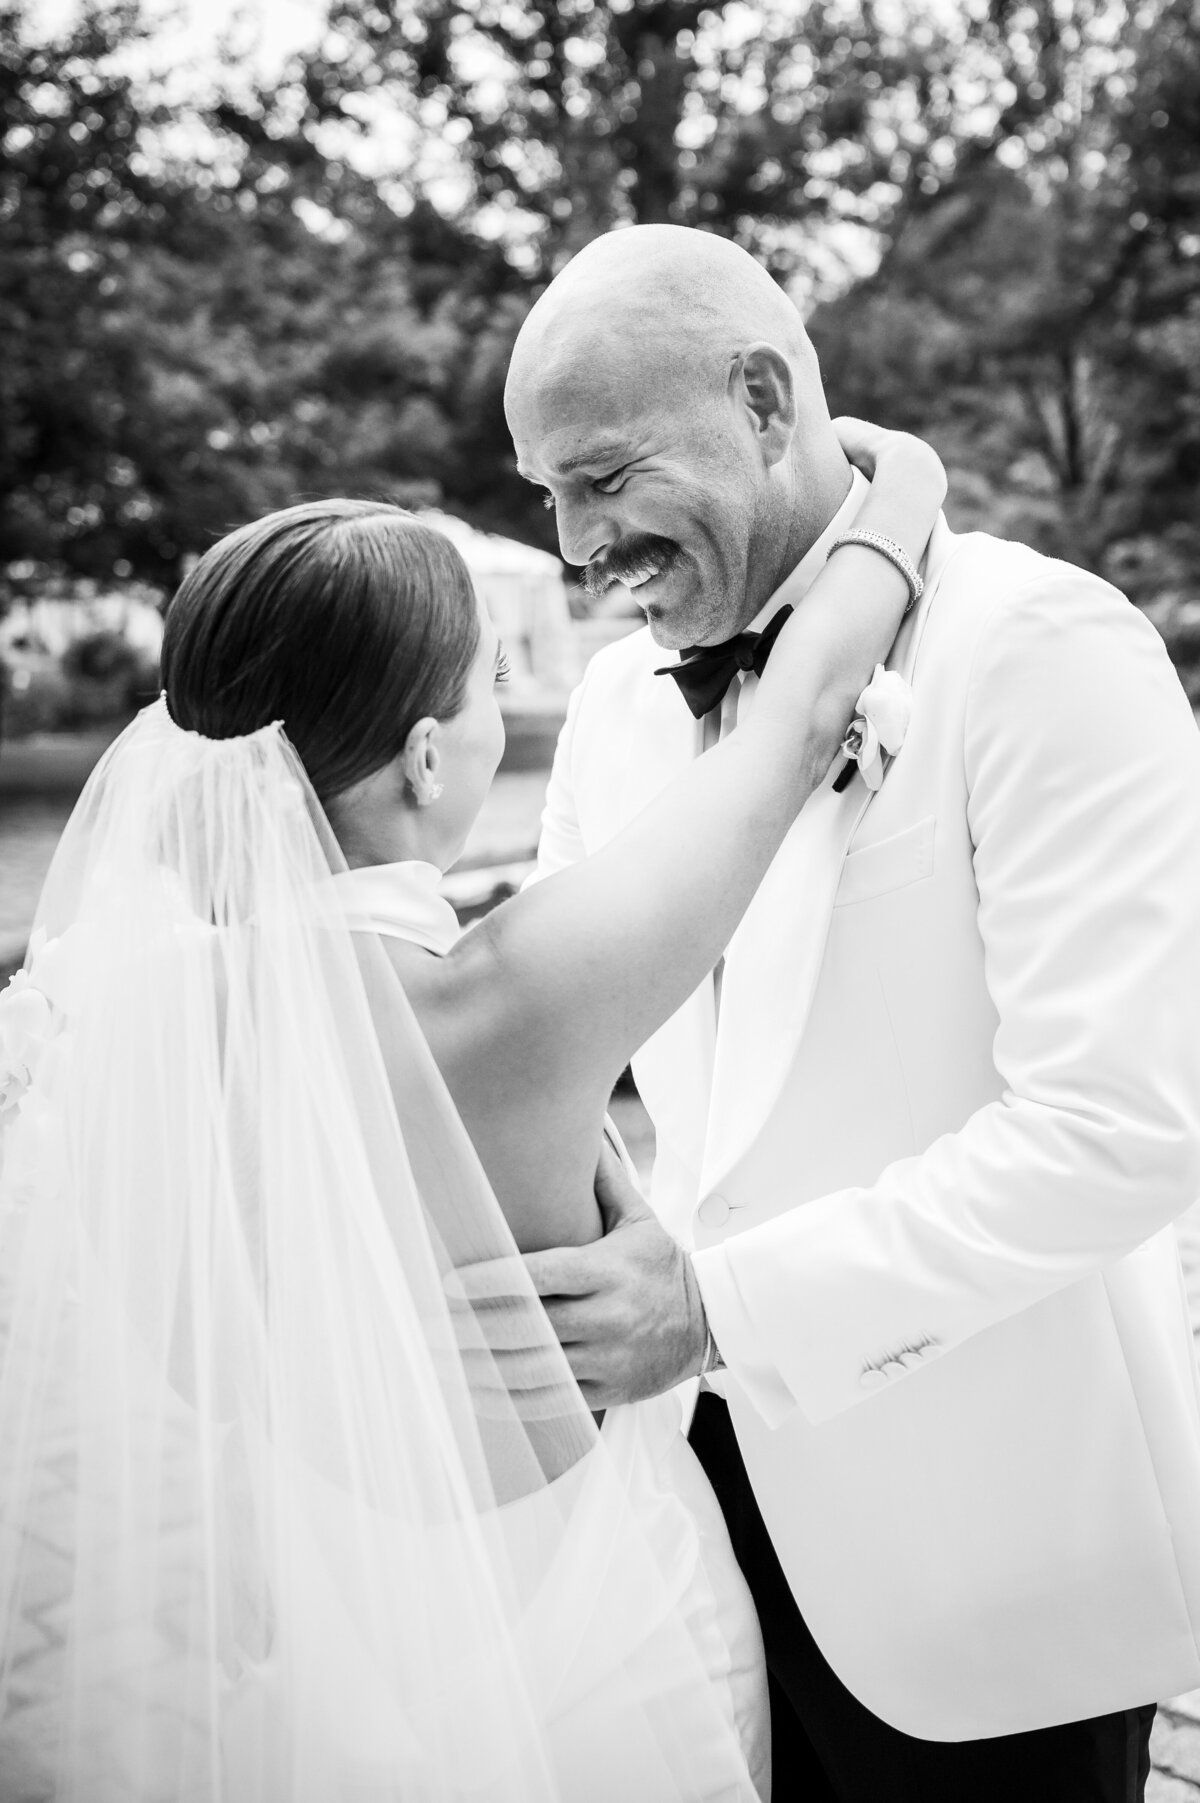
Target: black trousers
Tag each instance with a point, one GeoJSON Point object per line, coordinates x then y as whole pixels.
{"type": "Point", "coordinates": [827, 1748]}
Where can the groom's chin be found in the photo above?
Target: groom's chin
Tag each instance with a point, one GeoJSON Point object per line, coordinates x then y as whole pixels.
{"type": "Point", "coordinates": [676, 629]}
{"type": "Point", "coordinates": [664, 630]}
{"type": "Point", "coordinates": [672, 626]}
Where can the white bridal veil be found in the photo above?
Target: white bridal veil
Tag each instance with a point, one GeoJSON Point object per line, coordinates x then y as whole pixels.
{"type": "Point", "coordinates": [271, 1528]}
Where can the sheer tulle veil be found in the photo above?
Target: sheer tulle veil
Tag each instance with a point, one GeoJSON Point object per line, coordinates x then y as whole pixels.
{"type": "Point", "coordinates": [271, 1528]}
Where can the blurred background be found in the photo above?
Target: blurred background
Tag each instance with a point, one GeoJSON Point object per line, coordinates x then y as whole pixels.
{"type": "Point", "coordinates": [253, 254]}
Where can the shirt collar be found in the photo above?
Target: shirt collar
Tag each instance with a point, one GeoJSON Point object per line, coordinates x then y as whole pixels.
{"type": "Point", "coordinates": [400, 901]}
{"type": "Point", "coordinates": [811, 564]}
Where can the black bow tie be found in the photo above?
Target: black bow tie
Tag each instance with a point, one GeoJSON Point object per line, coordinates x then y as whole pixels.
{"type": "Point", "coordinates": [704, 672]}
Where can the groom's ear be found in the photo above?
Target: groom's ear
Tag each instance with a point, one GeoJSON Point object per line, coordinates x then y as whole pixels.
{"type": "Point", "coordinates": [766, 387]}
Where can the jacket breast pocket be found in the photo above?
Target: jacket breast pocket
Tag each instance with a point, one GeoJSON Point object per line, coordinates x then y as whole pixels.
{"type": "Point", "coordinates": [889, 864]}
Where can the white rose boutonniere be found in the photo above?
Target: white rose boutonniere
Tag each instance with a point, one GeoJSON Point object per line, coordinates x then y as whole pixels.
{"type": "Point", "coordinates": [880, 726]}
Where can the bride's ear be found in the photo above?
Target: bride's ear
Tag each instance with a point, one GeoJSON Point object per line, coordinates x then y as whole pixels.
{"type": "Point", "coordinates": [420, 761]}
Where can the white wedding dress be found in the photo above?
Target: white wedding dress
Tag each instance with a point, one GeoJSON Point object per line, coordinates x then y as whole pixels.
{"type": "Point", "coordinates": [600, 1648]}
{"type": "Point", "coordinates": [657, 1469]}
{"type": "Point", "coordinates": [273, 1527]}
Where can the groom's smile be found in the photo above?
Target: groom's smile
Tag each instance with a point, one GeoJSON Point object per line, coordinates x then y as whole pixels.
{"type": "Point", "coordinates": [639, 562]}
{"type": "Point", "coordinates": [656, 496]}
{"type": "Point", "coordinates": [673, 413]}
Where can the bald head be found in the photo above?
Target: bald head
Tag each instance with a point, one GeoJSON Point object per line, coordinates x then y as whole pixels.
{"type": "Point", "coordinates": [664, 390]}
{"type": "Point", "coordinates": [666, 298]}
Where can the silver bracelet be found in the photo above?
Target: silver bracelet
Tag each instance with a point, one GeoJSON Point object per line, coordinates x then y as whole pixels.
{"type": "Point", "coordinates": [712, 1354]}
{"type": "Point", "coordinates": [895, 554]}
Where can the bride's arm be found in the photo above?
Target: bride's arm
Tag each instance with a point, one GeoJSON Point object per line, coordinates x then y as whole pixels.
{"type": "Point", "coordinates": [574, 974]}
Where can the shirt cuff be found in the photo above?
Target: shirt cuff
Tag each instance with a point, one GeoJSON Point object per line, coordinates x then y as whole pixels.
{"type": "Point", "coordinates": [740, 1346]}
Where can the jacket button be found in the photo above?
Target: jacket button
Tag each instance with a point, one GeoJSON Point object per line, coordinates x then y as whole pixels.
{"type": "Point", "coordinates": [872, 1380]}
{"type": "Point", "coordinates": [910, 1360]}
{"type": "Point", "coordinates": [714, 1211]}
{"type": "Point", "coordinates": [893, 1368]}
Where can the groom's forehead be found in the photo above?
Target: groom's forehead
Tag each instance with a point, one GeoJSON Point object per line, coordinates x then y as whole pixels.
{"type": "Point", "coordinates": [577, 452]}
{"type": "Point", "coordinates": [600, 391]}
{"type": "Point", "coordinates": [562, 427]}
{"type": "Point", "coordinates": [605, 380]}
{"type": "Point", "coordinates": [566, 426]}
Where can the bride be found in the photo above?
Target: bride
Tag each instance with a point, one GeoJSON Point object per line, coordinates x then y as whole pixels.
{"type": "Point", "coordinates": [273, 1526]}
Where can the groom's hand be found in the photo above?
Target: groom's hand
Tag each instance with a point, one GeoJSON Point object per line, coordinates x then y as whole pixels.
{"type": "Point", "coordinates": [627, 1308]}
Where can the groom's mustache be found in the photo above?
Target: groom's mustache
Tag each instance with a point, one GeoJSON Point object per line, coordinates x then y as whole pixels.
{"type": "Point", "coordinates": [644, 554]}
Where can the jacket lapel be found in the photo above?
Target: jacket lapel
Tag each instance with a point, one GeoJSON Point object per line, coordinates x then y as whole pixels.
{"type": "Point", "coordinates": [674, 1068]}
{"type": "Point", "coordinates": [661, 738]}
{"type": "Point", "coordinates": [774, 959]}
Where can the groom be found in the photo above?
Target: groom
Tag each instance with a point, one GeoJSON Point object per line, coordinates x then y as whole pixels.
{"type": "Point", "coordinates": [922, 1136]}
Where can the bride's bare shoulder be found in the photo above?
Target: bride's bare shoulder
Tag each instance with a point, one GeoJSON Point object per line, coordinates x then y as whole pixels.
{"type": "Point", "coordinates": [536, 1137]}
{"type": "Point", "coordinates": [454, 996]}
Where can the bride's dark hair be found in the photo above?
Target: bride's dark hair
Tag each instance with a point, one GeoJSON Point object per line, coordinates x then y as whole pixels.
{"type": "Point", "coordinates": [349, 621]}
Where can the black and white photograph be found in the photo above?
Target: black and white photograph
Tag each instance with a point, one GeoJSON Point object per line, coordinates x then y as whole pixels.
{"type": "Point", "coordinates": [599, 901]}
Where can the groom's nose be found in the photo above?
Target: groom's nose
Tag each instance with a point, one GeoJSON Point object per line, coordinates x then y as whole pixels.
{"type": "Point", "coordinates": [586, 528]}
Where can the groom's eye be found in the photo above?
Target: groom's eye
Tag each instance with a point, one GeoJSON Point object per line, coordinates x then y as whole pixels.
{"type": "Point", "coordinates": [608, 485]}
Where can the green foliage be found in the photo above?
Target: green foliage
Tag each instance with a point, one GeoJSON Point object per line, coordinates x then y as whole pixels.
{"type": "Point", "coordinates": [210, 314]}
{"type": "Point", "coordinates": [1039, 315]}
{"type": "Point", "coordinates": [101, 656]}
{"type": "Point", "coordinates": [198, 342]}
{"type": "Point", "coordinates": [40, 703]}
{"type": "Point", "coordinates": [574, 118]}
{"type": "Point", "coordinates": [75, 206]}
{"type": "Point", "coordinates": [101, 680]}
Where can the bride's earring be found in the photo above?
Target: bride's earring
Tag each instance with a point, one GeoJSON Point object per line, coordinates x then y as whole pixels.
{"type": "Point", "coordinates": [420, 763]}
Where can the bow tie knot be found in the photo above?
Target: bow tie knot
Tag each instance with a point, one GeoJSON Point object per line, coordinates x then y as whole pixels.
{"type": "Point", "coordinates": [704, 672]}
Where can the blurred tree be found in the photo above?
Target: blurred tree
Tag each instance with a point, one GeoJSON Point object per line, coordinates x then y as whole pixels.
{"type": "Point", "coordinates": [1027, 172]}
{"type": "Point", "coordinates": [1038, 310]}
{"type": "Point", "coordinates": [199, 336]}
{"type": "Point", "coordinates": [75, 202]}
{"type": "Point", "coordinates": [538, 127]}
{"type": "Point", "coordinates": [565, 120]}
{"type": "Point", "coordinates": [313, 286]}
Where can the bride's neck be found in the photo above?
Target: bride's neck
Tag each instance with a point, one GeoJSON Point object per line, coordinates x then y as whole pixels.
{"type": "Point", "coordinates": [374, 824]}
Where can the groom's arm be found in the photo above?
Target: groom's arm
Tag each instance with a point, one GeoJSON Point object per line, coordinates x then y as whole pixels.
{"type": "Point", "coordinates": [1083, 769]}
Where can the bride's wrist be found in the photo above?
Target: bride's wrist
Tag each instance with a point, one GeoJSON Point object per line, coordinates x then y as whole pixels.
{"type": "Point", "coordinates": [909, 482]}
{"type": "Point", "coordinates": [905, 517]}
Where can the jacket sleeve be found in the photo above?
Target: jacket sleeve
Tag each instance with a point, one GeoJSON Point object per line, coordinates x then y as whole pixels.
{"type": "Point", "coordinates": [1082, 764]}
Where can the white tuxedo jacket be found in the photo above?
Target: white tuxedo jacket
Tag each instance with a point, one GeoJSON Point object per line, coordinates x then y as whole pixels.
{"type": "Point", "coordinates": [930, 1160]}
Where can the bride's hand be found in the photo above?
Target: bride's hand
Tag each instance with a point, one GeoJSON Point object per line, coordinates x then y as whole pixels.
{"type": "Point", "coordinates": [825, 653]}
{"type": "Point", "coordinates": [893, 455]}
